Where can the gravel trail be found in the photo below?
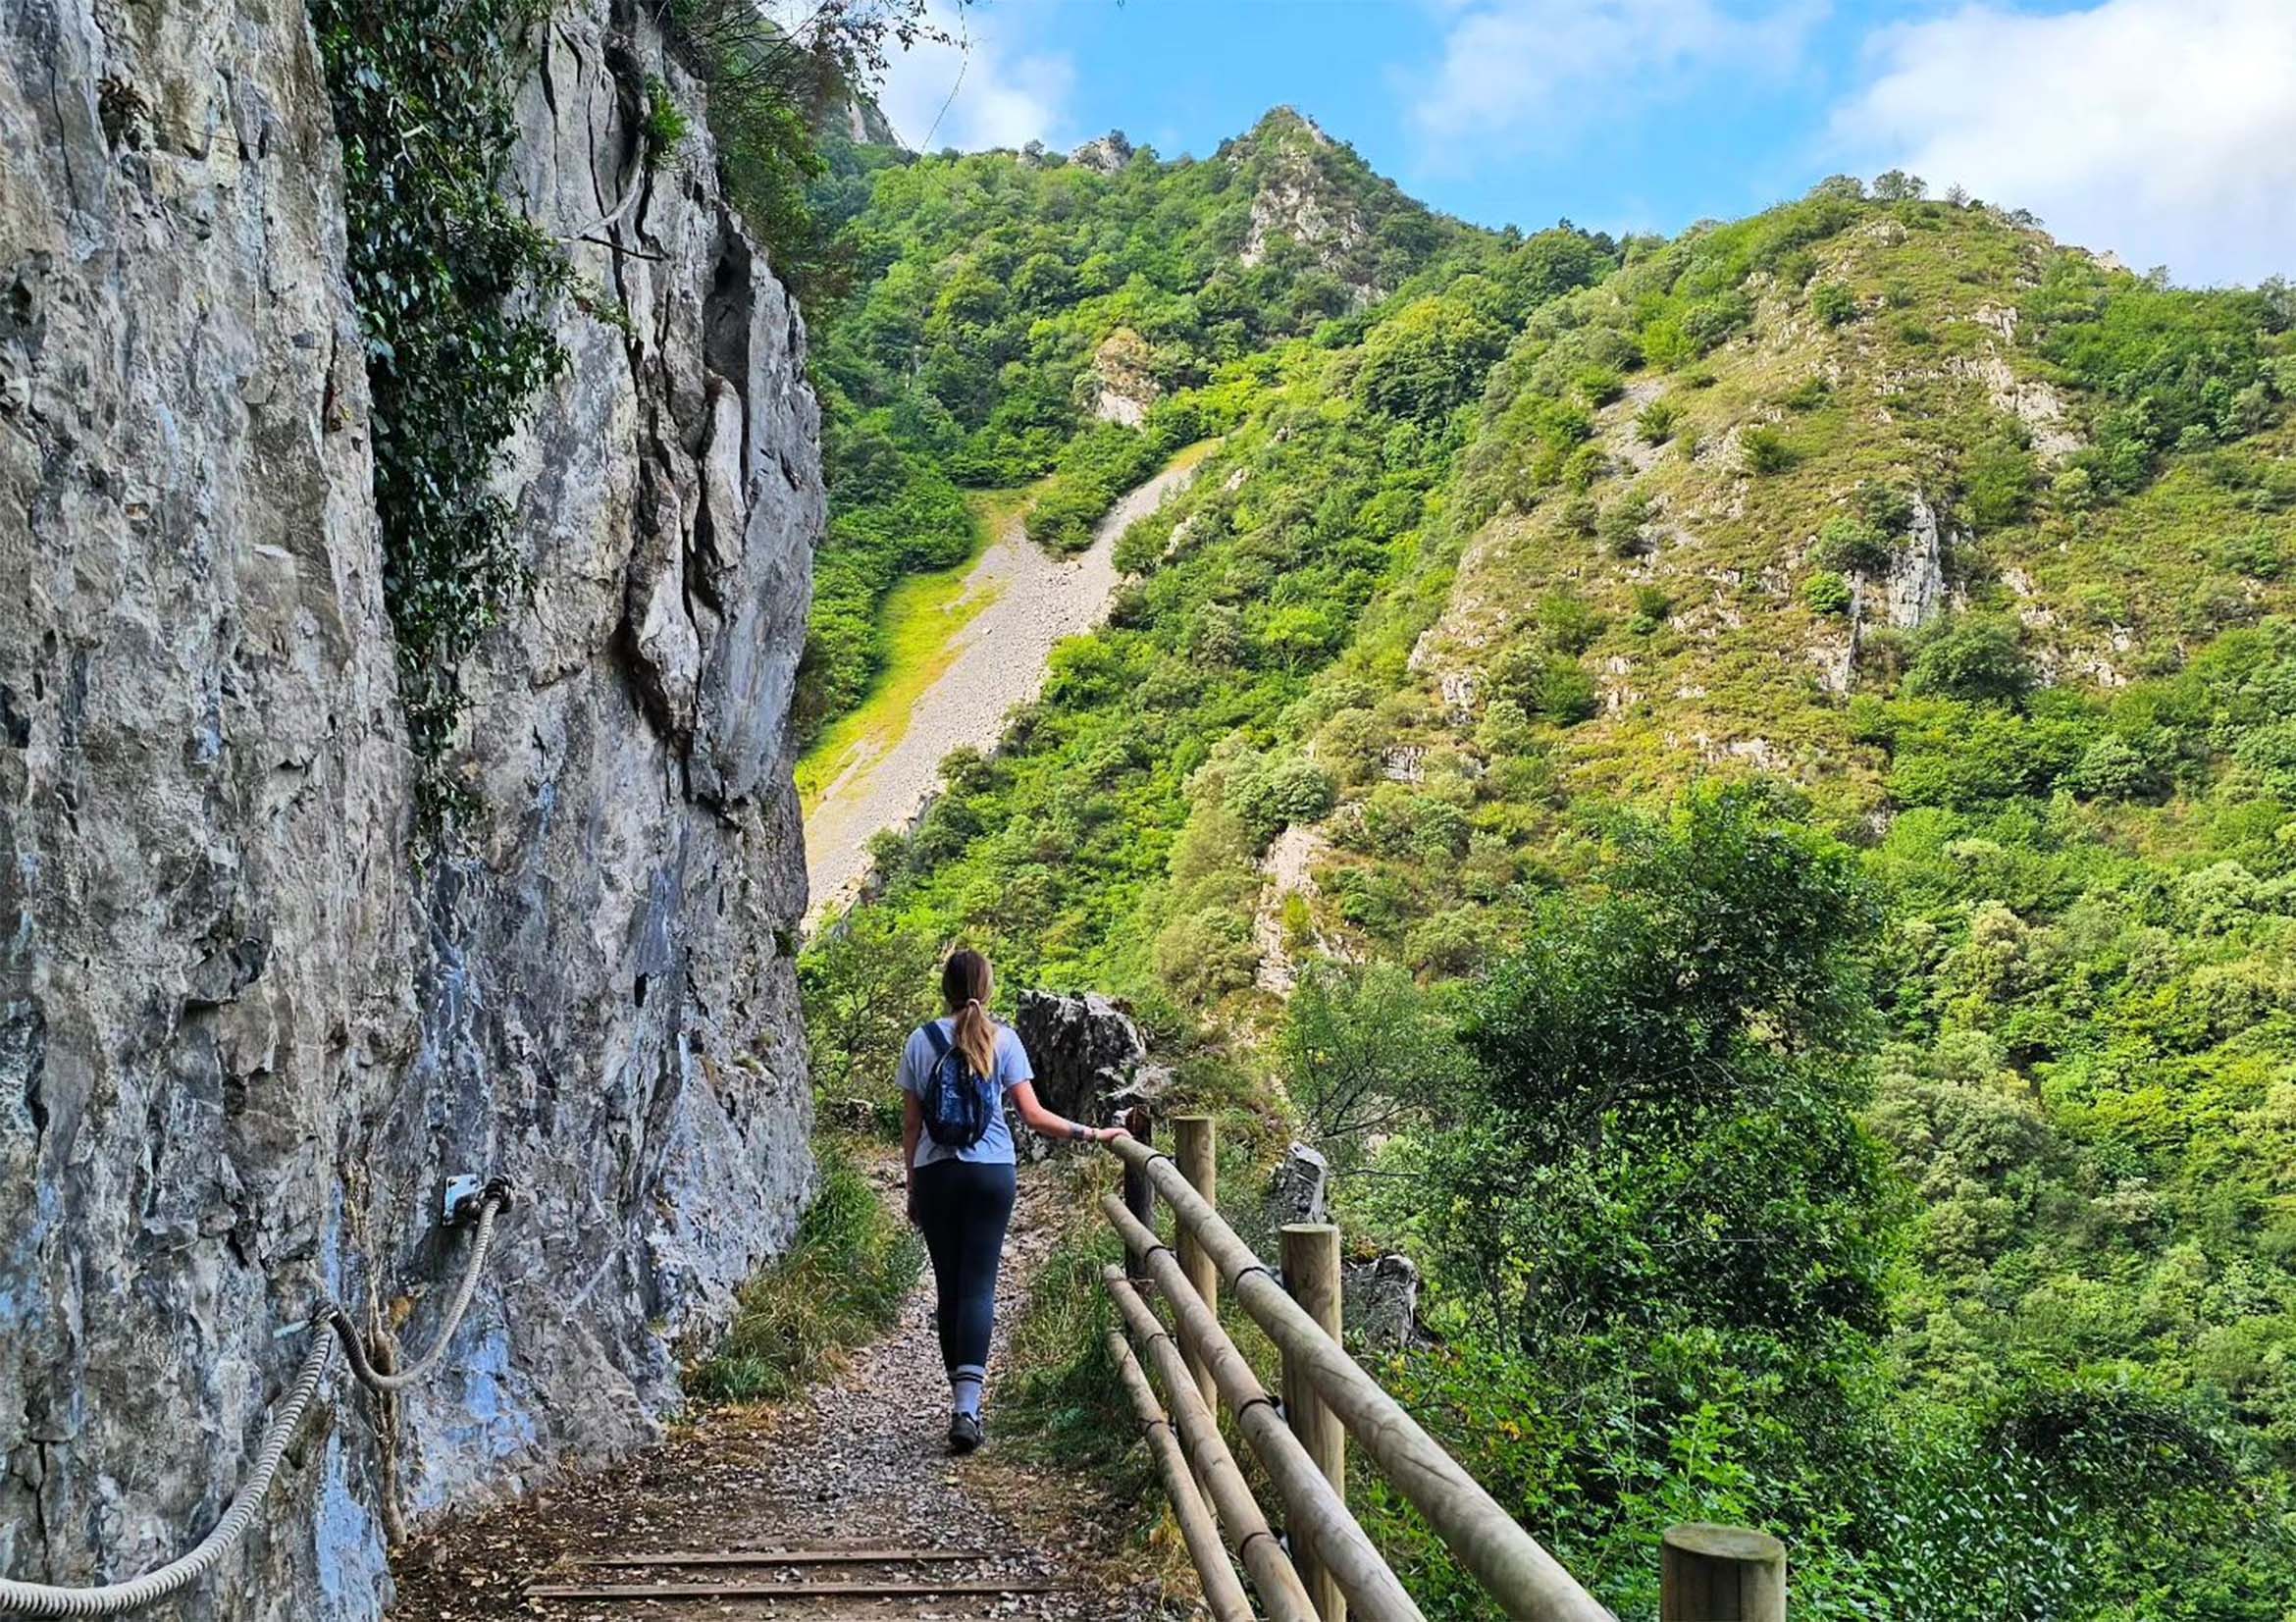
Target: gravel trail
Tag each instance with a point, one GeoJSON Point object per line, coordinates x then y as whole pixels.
{"type": "Point", "coordinates": [1036, 602]}
{"type": "Point", "coordinates": [856, 1459]}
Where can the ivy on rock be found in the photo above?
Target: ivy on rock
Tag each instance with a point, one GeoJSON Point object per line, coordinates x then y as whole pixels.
{"type": "Point", "coordinates": [453, 288]}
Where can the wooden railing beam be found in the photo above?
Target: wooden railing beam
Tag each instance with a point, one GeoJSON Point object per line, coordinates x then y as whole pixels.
{"type": "Point", "coordinates": [1312, 1509]}
{"type": "Point", "coordinates": [1528, 1582]}
{"type": "Point", "coordinates": [1224, 1595]}
{"type": "Point", "coordinates": [1280, 1590]}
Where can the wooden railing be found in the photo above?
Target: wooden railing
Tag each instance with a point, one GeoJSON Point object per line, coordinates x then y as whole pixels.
{"type": "Point", "coordinates": [1708, 1574]}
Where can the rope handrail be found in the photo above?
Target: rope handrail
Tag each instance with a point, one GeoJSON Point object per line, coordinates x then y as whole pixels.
{"type": "Point", "coordinates": [496, 1196]}
{"type": "Point", "coordinates": [331, 1323]}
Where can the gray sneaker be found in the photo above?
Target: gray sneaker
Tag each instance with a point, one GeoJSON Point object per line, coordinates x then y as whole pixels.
{"type": "Point", "coordinates": [964, 1433]}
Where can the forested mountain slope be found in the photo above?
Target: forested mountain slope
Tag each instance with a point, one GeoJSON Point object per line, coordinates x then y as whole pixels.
{"type": "Point", "coordinates": [1745, 788]}
{"type": "Point", "coordinates": [1018, 315]}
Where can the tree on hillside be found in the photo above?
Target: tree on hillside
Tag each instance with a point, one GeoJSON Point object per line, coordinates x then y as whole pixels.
{"type": "Point", "coordinates": [1430, 357]}
{"type": "Point", "coordinates": [1660, 1133]}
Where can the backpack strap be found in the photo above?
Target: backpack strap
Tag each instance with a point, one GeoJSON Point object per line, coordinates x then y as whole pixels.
{"type": "Point", "coordinates": [938, 1038]}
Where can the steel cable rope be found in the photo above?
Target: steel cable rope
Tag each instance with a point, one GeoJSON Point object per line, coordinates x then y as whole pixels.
{"type": "Point", "coordinates": [116, 1599]}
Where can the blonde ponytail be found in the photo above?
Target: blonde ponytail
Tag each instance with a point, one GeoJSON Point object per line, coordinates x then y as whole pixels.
{"type": "Point", "coordinates": [965, 987]}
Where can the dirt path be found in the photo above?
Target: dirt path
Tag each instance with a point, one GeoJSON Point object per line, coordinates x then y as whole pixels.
{"type": "Point", "coordinates": [1034, 600]}
{"type": "Point", "coordinates": [856, 1459]}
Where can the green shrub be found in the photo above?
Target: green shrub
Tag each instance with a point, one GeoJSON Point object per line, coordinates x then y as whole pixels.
{"type": "Point", "coordinates": [1998, 481]}
{"type": "Point", "coordinates": [2113, 768]}
{"type": "Point", "coordinates": [1270, 795]}
{"type": "Point", "coordinates": [667, 127]}
{"type": "Point", "coordinates": [842, 1282]}
{"type": "Point", "coordinates": [1832, 303]}
{"type": "Point", "coordinates": [1851, 545]}
{"type": "Point", "coordinates": [2255, 554]}
{"type": "Point", "coordinates": [1809, 394]}
{"type": "Point", "coordinates": [1567, 622]}
{"type": "Point", "coordinates": [1766, 450]}
{"type": "Point", "coordinates": [1652, 608]}
{"type": "Point", "coordinates": [1428, 358]}
{"type": "Point", "coordinates": [1364, 1050]}
{"type": "Point", "coordinates": [2271, 753]}
{"type": "Point", "coordinates": [1598, 386]}
{"type": "Point", "coordinates": [1974, 660]}
{"type": "Point", "coordinates": [1826, 593]}
{"type": "Point", "coordinates": [1550, 686]}
{"type": "Point", "coordinates": [1708, 322]}
{"type": "Point", "coordinates": [1655, 424]}
{"type": "Point", "coordinates": [1620, 527]}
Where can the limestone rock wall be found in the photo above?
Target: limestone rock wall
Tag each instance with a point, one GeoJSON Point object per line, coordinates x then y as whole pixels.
{"type": "Point", "coordinates": [241, 1033]}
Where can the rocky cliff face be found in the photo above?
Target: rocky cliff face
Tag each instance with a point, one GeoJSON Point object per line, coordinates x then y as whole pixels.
{"type": "Point", "coordinates": [241, 1035]}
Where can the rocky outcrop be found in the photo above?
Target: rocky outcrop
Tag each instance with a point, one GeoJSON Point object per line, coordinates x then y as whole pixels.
{"type": "Point", "coordinates": [1381, 1300]}
{"type": "Point", "coordinates": [1105, 154]}
{"type": "Point", "coordinates": [242, 1035]}
{"type": "Point", "coordinates": [1913, 593]}
{"type": "Point", "coordinates": [1090, 1059]}
{"type": "Point", "coordinates": [1120, 383]}
{"type": "Point", "coordinates": [1297, 1192]}
{"type": "Point", "coordinates": [1298, 198]}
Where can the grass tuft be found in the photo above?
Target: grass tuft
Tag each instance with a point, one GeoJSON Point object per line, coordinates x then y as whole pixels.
{"type": "Point", "coordinates": [841, 1285]}
{"type": "Point", "coordinates": [1060, 1396]}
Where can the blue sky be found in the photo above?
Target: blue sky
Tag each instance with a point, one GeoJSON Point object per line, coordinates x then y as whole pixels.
{"type": "Point", "coordinates": [2161, 130]}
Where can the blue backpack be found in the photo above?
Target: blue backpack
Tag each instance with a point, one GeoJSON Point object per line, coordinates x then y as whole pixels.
{"type": "Point", "coordinates": [955, 1101]}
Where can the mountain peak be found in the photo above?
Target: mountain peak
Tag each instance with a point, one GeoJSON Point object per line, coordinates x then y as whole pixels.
{"type": "Point", "coordinates": [1287, 122]}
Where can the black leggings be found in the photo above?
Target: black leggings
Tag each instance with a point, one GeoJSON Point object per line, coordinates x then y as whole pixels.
{"type": "Point", "coordinates": [963, 1208]}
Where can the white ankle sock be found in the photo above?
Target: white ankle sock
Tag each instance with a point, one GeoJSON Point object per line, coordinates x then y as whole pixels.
{"type": "Point", "coordinates": [964, 1383]}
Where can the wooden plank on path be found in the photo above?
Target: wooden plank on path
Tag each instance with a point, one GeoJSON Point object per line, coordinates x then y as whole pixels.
{"type": "Point", "coordinates": [837, 1555]}
{"type": "Point", "coordinates": [781, 1591]}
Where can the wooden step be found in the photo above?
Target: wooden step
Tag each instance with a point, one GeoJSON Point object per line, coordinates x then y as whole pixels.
{"type": "Point", "coordinates": [923, 1589]}
{"type": "Point", "coordinates": [840, 1554]}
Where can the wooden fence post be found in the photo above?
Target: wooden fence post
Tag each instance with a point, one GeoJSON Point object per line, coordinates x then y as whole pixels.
{"type": "Point", "coordinates": [1720, 1574]}
{"type": "Point", "coordinates": [1196, 1144]}
{"type": "Point", "coordinates": [1139, 1192]}
{"type": "Point", "coordinates": [1311, 1271]}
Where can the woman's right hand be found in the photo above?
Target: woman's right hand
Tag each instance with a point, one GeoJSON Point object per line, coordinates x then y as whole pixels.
{"type": "Point", "coordinates": [1110, 1135]}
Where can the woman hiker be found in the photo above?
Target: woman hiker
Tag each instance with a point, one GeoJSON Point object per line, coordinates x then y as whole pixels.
{"type": "Point", "coordinates": [957, 1154]}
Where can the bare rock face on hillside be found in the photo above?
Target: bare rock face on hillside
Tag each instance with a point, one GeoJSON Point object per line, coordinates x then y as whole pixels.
{"type": "Point", "coordinates": [1913, 593]}
{"type": "Point", "coordinates": [1295, 199]}
{"type": "Point", "coordinates": [242, 1035]}
{"type": "Point", "coordinates": [1121, 382]}
{"type": "Point", "coordinates": [1106, 154]}
{"type": "Point", "coordinates": [1090, 1059]}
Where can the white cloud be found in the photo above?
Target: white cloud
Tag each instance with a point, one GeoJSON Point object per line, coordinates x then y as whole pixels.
{"type": "Point", "coordinates": [2161, 130]}
{"type": "Point", "coordinates": [1515, 70]}
{"type": "Point", "coordinates": [976, 91]}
